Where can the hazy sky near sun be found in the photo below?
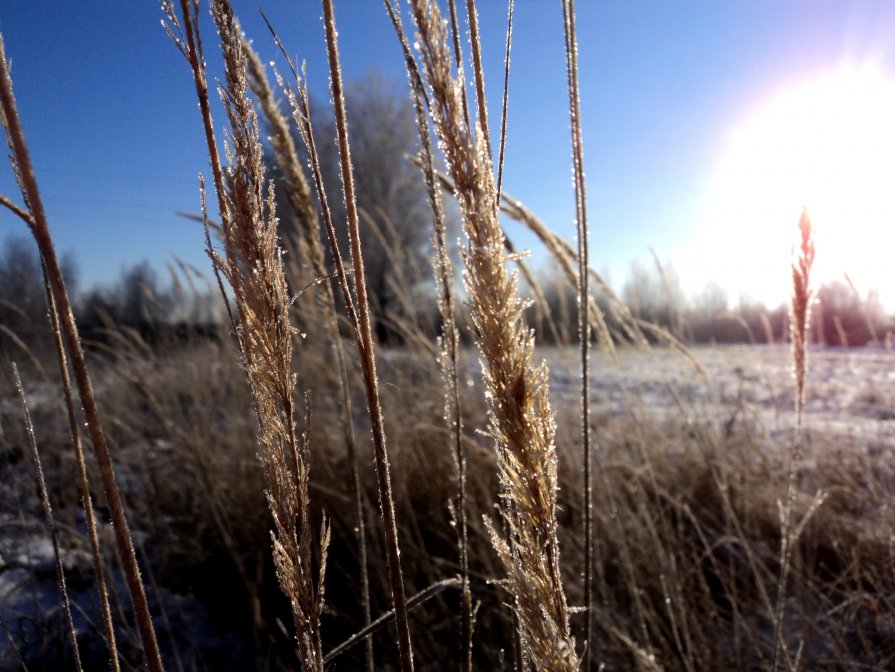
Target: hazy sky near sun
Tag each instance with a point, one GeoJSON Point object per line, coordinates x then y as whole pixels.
{"type": "Point", "coordinates": [701, 121]}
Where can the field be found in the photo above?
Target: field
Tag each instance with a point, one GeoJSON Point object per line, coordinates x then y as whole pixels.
{"type": "Point", "coordinates": [849, 399]}
{"type": "Point", "coordinates": [670, 441]}
{"type": "Point", "coordinates": [341, 468]}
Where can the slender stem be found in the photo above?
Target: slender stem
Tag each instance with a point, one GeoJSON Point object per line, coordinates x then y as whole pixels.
{"type": "Point", "coordinates": [197, 64]}
{"type": "Point", "coordinates": [450, 336]}
{"type": "Point", "coordinates": [85, 485]}
{"type": "Point", "coordinates": [41, 231]}
{"type": "Point", "coordinates": [368, 362]}
{"type": "Point", "coordinates": [371, 629]}
{"type": "Point", "coordinates": [478, 72]}
{"type": "Point", "coordinates": [506, 95]}
{"type": "Point", "coordinates": [195, 57]}
{"type": "Point", "coordinates": [583, 312]}
{"type": "Point", "coordinates": [48, 513]}
{"type": "Point", "coordinates": [458, 58]}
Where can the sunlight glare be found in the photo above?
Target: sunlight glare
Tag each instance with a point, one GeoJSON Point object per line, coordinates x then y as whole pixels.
{"type": "Point", "coordinates": [828, 145]}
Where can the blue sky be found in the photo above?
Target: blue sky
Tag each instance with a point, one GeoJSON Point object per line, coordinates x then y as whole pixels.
{"type": "Point", "coordinates": [110, 114]}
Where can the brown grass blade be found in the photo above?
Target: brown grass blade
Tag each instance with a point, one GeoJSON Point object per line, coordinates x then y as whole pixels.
{"type": "Point", "coordinates": [51, 523]}
{"type": "Point", "coordinates": [365, 343]}
{"type": "Point", "coordinates": [41, 231]}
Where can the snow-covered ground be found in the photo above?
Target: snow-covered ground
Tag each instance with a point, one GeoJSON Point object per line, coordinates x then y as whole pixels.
{"type": "Point", "coordinates": [850, 401]}
{"type": "Point", "coordinates": [850, 394]}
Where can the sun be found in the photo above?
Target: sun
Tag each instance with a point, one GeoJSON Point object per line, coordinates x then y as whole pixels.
{"type": "Point", "coordinates": [828, 145]}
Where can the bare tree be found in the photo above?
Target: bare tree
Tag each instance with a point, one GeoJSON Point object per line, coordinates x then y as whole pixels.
{"type": "Point", "coordinates": [23, 302]}
{"type": "Point", "coordinates": [395, 215]}
{"type": "Point", "coordinates": [654, 294]}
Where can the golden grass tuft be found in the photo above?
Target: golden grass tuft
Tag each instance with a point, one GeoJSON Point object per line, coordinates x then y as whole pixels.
{"type": "Point", "coordinates": [253, 266]}
{"type": "Point", "coordinates": [521, 420]}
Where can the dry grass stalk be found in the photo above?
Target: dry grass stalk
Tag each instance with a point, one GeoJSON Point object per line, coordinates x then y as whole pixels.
{"type": "Point", "coordinates": [356, 305]}
{"type": "Point", "coordinates": [635, 329]}
{"type": "Point", "coordinates": [567, 258]}
{"type": "Point", "coordinates": [28, 352]}
{"type": "Point", "coordinates": [253, 266]}
{"type": "Point", "coordinates": [365, 343]}
{"type": "Point", "coordinates": [458, 57]}
{"type": "Point", "coordinates": [450, 336]}
{"type": "Point", "coordinates": [478, 72]}
{"type": "Point", "coordinates": [297, 190]}
{"type": "Point", "coordinates": [800, 311]}
{"type": "Point", "coordinates": [24, 172]}
{"type": "Point", "coordinates": [86, 499]}
{"type": "Point", "coordinates": [51, 523]}
{"type": "Point", "coordinates": [372, 628]}
{"type": "Point", "coordinates": [506, 95]}
{"type": "Point", "coordinates": [184, 32]}
{"type": "Point", "coordinates": [522, 421]}
{"type": "Point", "coordinates": [568, 7]}
{"type": "Point", "coordinates": [310, 249]}
{"type": "Point", "coordinates": [800, 308]}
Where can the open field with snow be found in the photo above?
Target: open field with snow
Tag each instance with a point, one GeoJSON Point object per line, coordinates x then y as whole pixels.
{"type": "Point", "coordinates": [850, 395]}
{"type": "Point", "coordinates": [691, 466]}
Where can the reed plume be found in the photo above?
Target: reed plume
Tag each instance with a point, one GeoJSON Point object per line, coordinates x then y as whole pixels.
{"type": "Point", "coordinates": [294, 183]}
{"type": "Point", "coordinates": [799, 315]}
{"type": "Point", "coordinates": [521, 419]}
{"type": "Point", "coordinates": [252, 263]}
{"type": "Point", "coordinates": [800, 308]}
{"type": "Point", "coordinates": [310, 253]}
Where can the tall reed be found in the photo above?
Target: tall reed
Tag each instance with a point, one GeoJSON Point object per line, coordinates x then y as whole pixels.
{"type": "Point", "coordinates": [521, 420]}
{"type": "Point", "coordinates": [252, 264]}
{"type": "Point", "coordinates": [449, 354]}
{"type": "Point", "coordinates": [310, 254]}
{"type": "Point", "coordinates": [354, 292]}
{"type": "Point", "coordinates": [799, 316]}
{"type": "Point", "coordinates": [38, 223]}
{"type": "Point", "coordinates": [254, 268]}
{"type": "Point", "coordinates": [365, 342]}
{"type": "Point", "coordinates": [568, 7]}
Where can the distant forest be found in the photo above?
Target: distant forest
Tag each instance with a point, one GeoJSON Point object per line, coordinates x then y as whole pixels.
{"type": "Point", "coordinates": [840, 315]}
{"type": "Point", "coordinates": [185, 302]}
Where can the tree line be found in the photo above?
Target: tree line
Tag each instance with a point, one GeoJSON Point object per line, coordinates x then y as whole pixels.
{"type": "Point", "coordinates": [840, 315]}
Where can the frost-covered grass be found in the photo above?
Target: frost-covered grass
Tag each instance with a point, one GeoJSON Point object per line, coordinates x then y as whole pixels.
{"type": "Point", "coordinates": [686, 509]}
{"type": "Point", "coordinates": [734, 527]}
